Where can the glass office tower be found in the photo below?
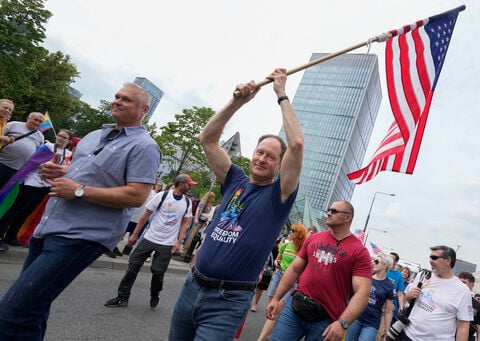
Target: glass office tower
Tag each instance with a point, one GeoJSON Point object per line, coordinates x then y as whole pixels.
{"type": "Point", "coordinates": [337, 103]}
{"type": "Point", "coordinates": [153, 91]}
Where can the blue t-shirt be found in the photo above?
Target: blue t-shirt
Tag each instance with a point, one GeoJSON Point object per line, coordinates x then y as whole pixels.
{"type": "Point", "coordinates": [381, 291]}
{"type": "Point", "coordinates": [247, 223]}
{"type": "Point", "coordinates": [397, 279]}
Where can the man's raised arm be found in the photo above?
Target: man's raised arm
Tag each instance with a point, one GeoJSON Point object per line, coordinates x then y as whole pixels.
{"type": "Point", "coordinates": [210, 136]}
{"type": "Point", "coordinates": [292, 160]}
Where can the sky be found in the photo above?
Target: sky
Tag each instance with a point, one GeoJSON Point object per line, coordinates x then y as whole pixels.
{"type": "Point", "coordinates": [197, 51]}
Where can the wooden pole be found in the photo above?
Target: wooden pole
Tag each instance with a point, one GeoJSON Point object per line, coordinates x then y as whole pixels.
{"type": "Point", "coordinates": [380, 38]}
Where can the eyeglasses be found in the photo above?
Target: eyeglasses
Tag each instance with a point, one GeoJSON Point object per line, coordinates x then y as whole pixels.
{"type": "Point", "coordinates": [376, 261]}
{"type": "Point", "coordinates": [63, 137]}
{"type": "Point", "coordinates": [433, 257]}
{"type": "Point", "coordinates": [335, 211]}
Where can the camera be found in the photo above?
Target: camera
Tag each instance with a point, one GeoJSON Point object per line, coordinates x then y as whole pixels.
{"type": "Point", "coordinates": [397, 328]}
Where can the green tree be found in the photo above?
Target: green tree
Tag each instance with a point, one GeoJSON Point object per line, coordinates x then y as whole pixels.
{"type": "Point", "coordinates": [87, 119]}
{"type": "Point", "coordinates": [21, 33]}
{"type": "Point", "coordinates": [181, 151]}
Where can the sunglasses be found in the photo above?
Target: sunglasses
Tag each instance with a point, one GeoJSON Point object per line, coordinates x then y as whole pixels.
{"type": "Point", "coordinates": [433, 257]}
{"type": "Point", "coordinates": [293, 230]}
{"type": "Point", "coordinates": [376, 261]}
{"type": "Point", "coordinates": [335, 211]}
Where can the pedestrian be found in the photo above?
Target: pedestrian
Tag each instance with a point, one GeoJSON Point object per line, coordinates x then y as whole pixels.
{"type": "Point", "coordinates": [164, 236]}
{"type": "Point", "coordinates": [286, 254]}
{"type": "Point", "coordinates": [443, 305]}
{"type": "Point", "coordinates": [219, 289]}
{"type": "Point", "coordinates": [90, 204]}
{"type": "Point", "coordinates": [365, 327]}
{"type": "Point", "coordinates": [474, 329]}
{"type": "Point", "coordinates": [24, 140]}
{"type": "Point", "coordinates": [6, 110]}
{"type": "Point", "coordinates": [31, 192]}
{"type": "Point", "coordinates": [332, 268]}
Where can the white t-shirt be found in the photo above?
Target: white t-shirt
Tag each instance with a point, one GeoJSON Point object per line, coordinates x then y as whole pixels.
{"type": "Point", "coordinates": [441, 303]}
{"type": "Point", "coordinates": [165, 225]}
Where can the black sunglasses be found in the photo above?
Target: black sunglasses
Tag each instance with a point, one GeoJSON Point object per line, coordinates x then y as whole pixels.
{"type": "Point", "coordinates": [433, 257]}
{"type": "Point", "coordinates": [376, 261]}
{"type": "Point", "coordinates": [335, 211]}
{"type": "Point", "coordinates": [292, 230]}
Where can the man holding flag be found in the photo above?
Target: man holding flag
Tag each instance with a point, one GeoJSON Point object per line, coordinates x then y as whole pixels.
{"type": "Point", "coordinates": [26, 140]}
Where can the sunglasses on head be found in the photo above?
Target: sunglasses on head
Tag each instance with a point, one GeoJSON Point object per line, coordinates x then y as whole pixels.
{"type": "Point", "coordinates": [335, 211]}
{"type": "Point", "coordinates": [433, 257]}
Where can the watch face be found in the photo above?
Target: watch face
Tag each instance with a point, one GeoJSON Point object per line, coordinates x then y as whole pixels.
{"type": "Point", "coordinates": [79, 192]}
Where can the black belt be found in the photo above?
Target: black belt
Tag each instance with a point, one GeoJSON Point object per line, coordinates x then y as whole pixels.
{"type": "Point", "coordinates": [210, 283]}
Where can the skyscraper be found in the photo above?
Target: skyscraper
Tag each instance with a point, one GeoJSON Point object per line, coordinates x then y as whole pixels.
{"type": "Point", "coordinates": [152, 89]}
{"type": "Point", "coordinates": [337, 103]}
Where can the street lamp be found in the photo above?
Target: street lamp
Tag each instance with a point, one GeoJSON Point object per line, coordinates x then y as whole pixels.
{"type": "Point", "coordinates": [370, 211]}
{"type": "Point", "coordinates": [370, 229]}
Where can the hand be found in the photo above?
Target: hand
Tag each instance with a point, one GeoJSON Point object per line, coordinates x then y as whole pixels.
{"type": "Point", "coordinates": [132, 240]}
{"type": "Point", "coordinates": [175, 247]}
{"type": "Point", "coordinates": [63, 188]}
{"type": "Point", "coordinates": [279, 78]}
{"type": "Point", "coordinates": [245, 92]}
{"type": "Point", "coordinates": [51, 170]}
{"type": "Point", "coordinates": [334, 332]}
{"type": "Point", "coordinates": [414, 293]}
{"type": "Point", "coordinates": [273, 309]}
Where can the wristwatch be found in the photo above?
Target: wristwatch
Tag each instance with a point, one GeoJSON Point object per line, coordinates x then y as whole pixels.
{"type": "Point", "coordinates": [79, 192]}
{"type": "Point", "coordinates": [344, 323]}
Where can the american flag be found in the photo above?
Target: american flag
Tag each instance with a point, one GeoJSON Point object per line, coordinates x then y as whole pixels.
{"type": "Point", "coordinates": [360, 234]}
{"type": "Point", "coordinates": [414, 56]}
{"type": "Point", "coordinates": [376, 250]}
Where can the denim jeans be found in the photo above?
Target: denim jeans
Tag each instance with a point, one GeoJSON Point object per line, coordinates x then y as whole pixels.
{"type": "Point", "coordinates": [277, 276]}
{"type": "Point", "coordinates": [291, 327]}
{"type": "Point", "coordinates": [202, 314]}
{"type": "Point", "coordinates": [160, 261]}
{"type": "Point", "coordinates": [51, 265]}
{"type": "Point", "coordinates": [358, 332]}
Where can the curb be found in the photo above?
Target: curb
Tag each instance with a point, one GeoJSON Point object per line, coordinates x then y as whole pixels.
{"type": "Point", "coordinates": [17, 254]}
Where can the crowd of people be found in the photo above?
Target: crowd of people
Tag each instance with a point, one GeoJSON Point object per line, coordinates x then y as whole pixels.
{"type": "Point", "coordinates": [321, 285]}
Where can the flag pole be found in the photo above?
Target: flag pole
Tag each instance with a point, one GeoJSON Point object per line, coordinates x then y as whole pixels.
{"type": "Point", "coordinates": [379, 38]}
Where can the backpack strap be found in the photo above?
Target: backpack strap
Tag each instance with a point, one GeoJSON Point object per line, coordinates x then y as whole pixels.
{"type": "Point", "coordinates": [164, 195]}
{"type": "Point", "coordinates": [188, 203]}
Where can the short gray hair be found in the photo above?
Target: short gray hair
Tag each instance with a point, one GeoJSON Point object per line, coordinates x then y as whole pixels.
{"type": "Point", "coordinates": [144, 96]}
{"type": "Point", "coordinates": [386, 259]}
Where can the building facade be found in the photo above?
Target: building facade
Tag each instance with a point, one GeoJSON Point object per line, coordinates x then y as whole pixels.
{"type": "Point", "coordinates": [153, 91]}
{"type": "Point", "coordinates": [337, 103]}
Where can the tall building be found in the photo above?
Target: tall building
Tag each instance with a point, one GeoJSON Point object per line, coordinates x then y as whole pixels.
{"type": "Point", "coordinates": [337, 103]}
{"type": "Point", "coordinates": [152, 89]}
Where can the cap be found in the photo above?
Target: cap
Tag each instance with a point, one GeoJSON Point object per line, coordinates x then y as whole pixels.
{"type": "Point", "coordinates": [185, 178]}
{"type": "Point", "coordinates": [75, 141]}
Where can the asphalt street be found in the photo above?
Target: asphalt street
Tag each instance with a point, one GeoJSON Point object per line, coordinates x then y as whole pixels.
{"type": "Point", "coordinates": [79, 313]}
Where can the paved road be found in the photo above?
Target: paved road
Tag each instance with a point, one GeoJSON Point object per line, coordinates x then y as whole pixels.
{"type": "Point", "coordinates": [79, 313]}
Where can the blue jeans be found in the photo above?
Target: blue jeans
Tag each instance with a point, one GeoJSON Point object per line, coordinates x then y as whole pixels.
{"type": "Point", "coordinates": [277, 276]}
{"type": "Point", "coordinates": [358, 332]}
{"type": "Point", "coordinates": [51, 265]}
{"type": "Point", "coordinates": [208, 314]}
{"type": "Point", "coordinates": [291, 327]}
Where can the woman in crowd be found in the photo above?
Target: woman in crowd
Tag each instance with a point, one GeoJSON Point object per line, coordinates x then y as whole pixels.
{"type": "Point", "coordinates": [406, 275]}
{"type": "Point", "coordinates": [286, 254]}
{"type": "Point", "coordinates": [365, 328]}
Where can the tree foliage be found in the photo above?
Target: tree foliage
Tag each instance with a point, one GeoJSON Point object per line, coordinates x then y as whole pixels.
{"type": "Point", "coordinates": [181, 151]}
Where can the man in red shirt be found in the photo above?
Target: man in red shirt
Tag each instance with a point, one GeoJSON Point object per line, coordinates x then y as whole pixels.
{"type": "Point", "coordinates": [330, 266]}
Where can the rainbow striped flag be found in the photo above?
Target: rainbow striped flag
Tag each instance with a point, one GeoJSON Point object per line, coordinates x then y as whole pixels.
{"type": "Point", "coordinates": [47, 123]}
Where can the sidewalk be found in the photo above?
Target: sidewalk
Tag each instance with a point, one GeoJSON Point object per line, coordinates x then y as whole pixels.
{"type": "Point", "coordinates": [17, 254]}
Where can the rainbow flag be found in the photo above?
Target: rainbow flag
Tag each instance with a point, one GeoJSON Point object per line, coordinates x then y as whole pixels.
{"type": "Point", "coordinates": [47, 123]}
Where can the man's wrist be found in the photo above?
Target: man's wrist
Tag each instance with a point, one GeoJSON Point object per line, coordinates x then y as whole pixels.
{"type": "Point", "coordinates": [282, 98]}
